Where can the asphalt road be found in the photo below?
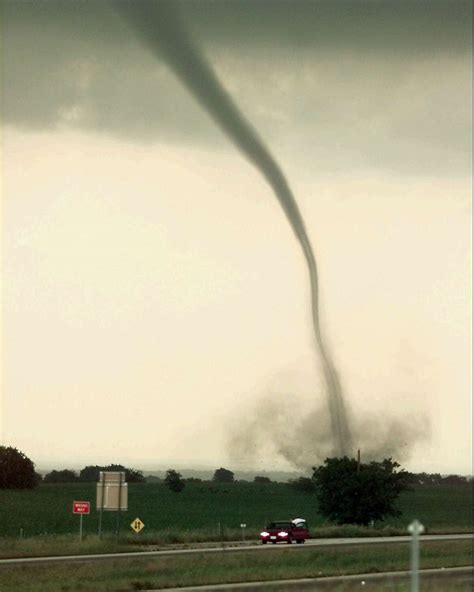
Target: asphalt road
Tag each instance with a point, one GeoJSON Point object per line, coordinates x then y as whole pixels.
{"type": "Point", "coordinates": [234, 548]}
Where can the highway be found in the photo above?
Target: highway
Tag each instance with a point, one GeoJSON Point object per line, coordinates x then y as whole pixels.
{"type": "Point", "coordinates": [235, 547]}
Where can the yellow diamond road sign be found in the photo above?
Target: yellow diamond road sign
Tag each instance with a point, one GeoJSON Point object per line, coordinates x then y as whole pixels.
{"type": "Point", "coordinates": [137, 525]}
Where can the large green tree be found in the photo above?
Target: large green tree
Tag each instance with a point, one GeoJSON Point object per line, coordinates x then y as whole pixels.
{"type": "Point", "coordinates": [17, 471]}
{"type": "Point", "coordinates": [352, 493]}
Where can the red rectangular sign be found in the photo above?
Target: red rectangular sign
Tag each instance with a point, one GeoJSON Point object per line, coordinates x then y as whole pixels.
{"type": "Point", "coordinates": [81, 507]}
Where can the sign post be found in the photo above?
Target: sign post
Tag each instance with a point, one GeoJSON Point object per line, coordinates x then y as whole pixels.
{"type": "Point", "coordinates": [101, 506]}
{"type": "Point", "coordinates": [242, 526]}
{"type": "Point", "coordinates": [415, 529]}
{"type": "Point", "coordinates": [119, 506]}
{"type": "Point", "coordinates": [112, 495]}
{"type": "Point", "coordinates": [81, 508]}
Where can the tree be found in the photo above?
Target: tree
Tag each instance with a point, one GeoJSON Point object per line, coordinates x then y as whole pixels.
{"type": "Point", "coordinates": [17, 471]}
{"type": "Point", "coordinates": [348, 494]}
{"type": "Point", "coordinates": [454, 480]}
{"type": "Point", "coordinates": [92, 473]}
{"type": "Point", "coordinates": [174, 480]}
{"type": "Point", "coordinates": [64, 476]}
{"type": "Point", "coordinates": [153, 479]}
{"type": "Point", "coordinates": [223, 476]}
{"type": "Point", "coordinates": [303, 484]}
{"type": "Point", "coordinates": [260, 479]}
{"type": "Point", "coordinates": [131, 475]}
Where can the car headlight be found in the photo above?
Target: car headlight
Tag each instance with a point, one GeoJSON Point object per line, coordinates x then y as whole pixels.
{"type": "Point", "coordinates": [283, 533]}
{"type": "Point", "coordinates": [264, 533]}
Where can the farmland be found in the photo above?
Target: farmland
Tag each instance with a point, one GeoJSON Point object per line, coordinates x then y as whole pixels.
{"type": "Point", "coordinates": [202, 506]}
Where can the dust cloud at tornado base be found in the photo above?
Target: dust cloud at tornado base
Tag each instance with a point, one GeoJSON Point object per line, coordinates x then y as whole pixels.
{"type": "Point", "coordinates": [276, 425]}
{"type": "Point", "coordinates": [326, 430]}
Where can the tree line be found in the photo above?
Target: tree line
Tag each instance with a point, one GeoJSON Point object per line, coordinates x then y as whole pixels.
{"type": "Point", "coordinates": [92, 473]}
{"type": "Point", "coordinates": [345, 490]}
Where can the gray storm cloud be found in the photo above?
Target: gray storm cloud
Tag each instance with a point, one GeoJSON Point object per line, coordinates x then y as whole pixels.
{"type": "Point", "coordinates": [391, 81]}
{"type": "Point", "coordinates": [159, 26]}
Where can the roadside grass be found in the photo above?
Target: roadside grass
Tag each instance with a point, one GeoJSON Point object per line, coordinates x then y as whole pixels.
{"type": "Point", "coordinates": [66, 544]}
{"type": "Point", "coordinates": [196, 512]}
{"type": "Point", "coordinates": [142, 573]}
{"type": "Point", "coordinates": [50, 545]}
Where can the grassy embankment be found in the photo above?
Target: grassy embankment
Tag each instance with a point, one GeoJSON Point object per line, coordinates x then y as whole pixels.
{"type": "Point", "coordinates": [148, 573]}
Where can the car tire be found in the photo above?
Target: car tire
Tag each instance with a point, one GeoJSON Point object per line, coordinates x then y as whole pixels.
{"type": "Point", "coordinates": [299, 541]}
{"type": "Point", "coordinates": [264, 542]}
{"type": "Point", "coordinates": [289, 541]}
{"type": "Point", "coordinates": [274, 542]}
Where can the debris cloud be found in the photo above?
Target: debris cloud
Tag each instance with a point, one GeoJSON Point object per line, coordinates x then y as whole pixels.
{"type": "Point", "coordinates": [303, 437]}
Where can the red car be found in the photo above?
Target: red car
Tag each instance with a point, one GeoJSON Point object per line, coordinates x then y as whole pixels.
{"type": "Point", "coordinates": [285, 531]}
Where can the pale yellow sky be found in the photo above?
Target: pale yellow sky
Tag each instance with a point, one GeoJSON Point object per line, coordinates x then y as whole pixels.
{"type": "Point", "coordinates": [155, 301]}
{"type": "Point", "coordinates": [152, 296]}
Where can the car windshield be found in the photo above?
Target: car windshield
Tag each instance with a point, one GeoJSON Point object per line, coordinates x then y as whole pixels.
{"type": "Point", "coordinates": [281, 525]}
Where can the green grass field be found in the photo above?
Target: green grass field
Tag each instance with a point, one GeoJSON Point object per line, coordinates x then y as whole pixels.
{"type": "Point", "coordinates": [144, 573]}
{"type": "Point", "coordinates": [202, 506]}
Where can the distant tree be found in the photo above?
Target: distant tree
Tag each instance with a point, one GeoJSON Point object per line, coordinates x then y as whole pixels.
{"type": "Point", "coordinates": [131, 475]}
{"type": "Point", "coordinates": [260, 479]}
{"type": "Point", "coordinates": [426, 478]}
{"type": "Point", "coordinates": [223, 476]}
{"type": "Point", "coordinates": [17, 471]}
{"type": "Point", "coordinates": [454, 480]}
{"type": "Point", "coordinates": [303, 484]}
{"type": "Point", "coordinates": [348, 495]}
{"type": "Point", "coordinates": [92, 473]}
{"type": "Point", "coordinates": [153, 479]}
{"type": "Point", "coordinates": [437, 479]}
{"type": "Point", "coordinates": [64, 476]}
{"type": "Point", "coordinates": [193, 480]}
{"type": "Point", "coordinates": [174, 480]}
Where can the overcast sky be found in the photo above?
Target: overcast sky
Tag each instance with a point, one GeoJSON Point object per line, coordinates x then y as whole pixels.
{"type": "Point", "coordinates": [154, 297]}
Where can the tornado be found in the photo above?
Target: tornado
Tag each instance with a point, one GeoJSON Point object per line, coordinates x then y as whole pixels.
{"type": "Point", "coordinates": [161, 29]}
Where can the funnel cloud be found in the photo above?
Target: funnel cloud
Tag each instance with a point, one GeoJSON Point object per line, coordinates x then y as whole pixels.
{"type": "Point", "coordinates": [160, 27]}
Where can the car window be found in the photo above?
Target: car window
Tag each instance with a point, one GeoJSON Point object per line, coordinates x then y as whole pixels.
{"type": "Point", "coordinates": [286, 525]}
